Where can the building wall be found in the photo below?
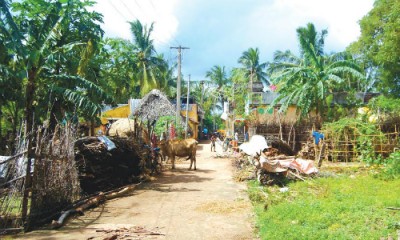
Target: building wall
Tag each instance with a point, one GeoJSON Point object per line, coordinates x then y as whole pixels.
{"type": "Point", "coordinates": [263, 116]}
{"type": "Point", "coordinates": [193, 118]}
{"type": "Point", "coordinates": [118, 112]}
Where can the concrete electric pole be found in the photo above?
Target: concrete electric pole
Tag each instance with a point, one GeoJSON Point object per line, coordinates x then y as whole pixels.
{"type": "Point", "coordinates": [178, 85]}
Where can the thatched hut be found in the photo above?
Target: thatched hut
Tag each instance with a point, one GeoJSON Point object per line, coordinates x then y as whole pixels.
{"type": "Point", "coordinates": [154, 105]}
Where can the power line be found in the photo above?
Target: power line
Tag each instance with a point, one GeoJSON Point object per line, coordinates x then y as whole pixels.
{"type": "Point", "coordinates": [116, 9]}
{"type": "Point", "coordinates": [129, 10]}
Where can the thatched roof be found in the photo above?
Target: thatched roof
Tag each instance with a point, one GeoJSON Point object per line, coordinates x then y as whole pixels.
{"type": "Point", "coordinates": [154, 105]}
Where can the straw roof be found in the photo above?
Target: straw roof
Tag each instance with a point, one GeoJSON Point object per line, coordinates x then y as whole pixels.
{"type": "Point", "coordinates": [154, 105]}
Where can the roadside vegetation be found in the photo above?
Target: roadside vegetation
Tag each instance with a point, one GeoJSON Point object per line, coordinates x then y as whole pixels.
{"type": "Point", "coordinates": [56, 66]}
{"type": "Point", "coordinates": [350, 205]}
{"type": "Point", "coordinates": [357, 198]}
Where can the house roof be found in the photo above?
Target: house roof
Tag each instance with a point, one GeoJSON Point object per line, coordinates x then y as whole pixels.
{"type": "Point", "coordinates": [266, 98]}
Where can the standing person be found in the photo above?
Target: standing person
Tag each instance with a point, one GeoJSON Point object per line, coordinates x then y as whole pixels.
{"type": "Point", "coordinates": [235, 142]}
{"type": "Point", "coordinates": [246, 136]}
{"type": "Point", "coordinates": [153, 140]}
{"type": "Point", "coordinates": [236, 137]}
{"type": "Point", "coordinates": [213, 139]}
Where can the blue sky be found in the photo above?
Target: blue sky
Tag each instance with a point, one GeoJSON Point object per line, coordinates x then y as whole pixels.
{"type": "Point", "coordinates": [218, 31]}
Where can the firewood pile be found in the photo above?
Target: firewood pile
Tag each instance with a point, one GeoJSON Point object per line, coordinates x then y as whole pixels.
{"type": "Point", "coordinates": [307, 150]}
{"type": "Point", "coordinates": [101, 169]}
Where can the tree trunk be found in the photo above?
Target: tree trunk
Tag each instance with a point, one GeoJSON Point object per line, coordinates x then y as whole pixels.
{"type": "Point", "coordinates": [55, 108]}
{"type": "Point", "coordinates": [15, 124]}
{"type": "Point", "coordinates": [29, 111]}
{"type": "Point", "coordinates": [1, 116]}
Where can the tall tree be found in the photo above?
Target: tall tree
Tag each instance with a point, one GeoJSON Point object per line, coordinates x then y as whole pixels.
{"type": "Point", "coordinates": [117, 61]}
{"type": "Point", "coordinates": [379, 44]}
{"type": "Point", "coordinates": [217, 75]}
{"type": "Point", "coordinates": [148, 66]}
{"type": "Point", "coordinates": [254, 69]}
{"type": "Point", "coordinates": [308, 80]}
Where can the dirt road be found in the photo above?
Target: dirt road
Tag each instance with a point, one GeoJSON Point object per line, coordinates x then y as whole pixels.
{"type": "Point", "coordinates": [180, 204]}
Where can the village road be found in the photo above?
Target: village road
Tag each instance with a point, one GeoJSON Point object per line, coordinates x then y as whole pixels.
{"type": "Point", "coordinates": [180, 204]}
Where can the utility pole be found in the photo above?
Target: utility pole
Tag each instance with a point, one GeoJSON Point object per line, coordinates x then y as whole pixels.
{"type": "Point", "coordinates": [201, 104]}
{"type": "Point", "coordinates": [187, 109]}
{"type": "Point", "coordinates": [178, 84]}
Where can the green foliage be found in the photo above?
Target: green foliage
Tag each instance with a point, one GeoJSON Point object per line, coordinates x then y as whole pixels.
{"type": "Point", "coordinates": [310, 79]}
{"type": "Point", "coordinates": [385, 105]}
{"type": "Point", "coordinates": [217, 75]}
{"type": "Point", "coordinates": [162, 123]}
{"type": "Point", "coordinates": [117, 62]}
{"type": "Point", "coordinates": [363, 134]}
{"type": "Point", "coordinates": [149, 68]}
{"type": "Point", "coordinates": [43, 39]}
{"type": "Point", "coordinates": [254, 69]}
{"type": "Point", "coordinates": [392, 167]}
{"type": "Point", "coordinates": [379, 44]}
{"type": "Point", "coordinates": [328, 208]}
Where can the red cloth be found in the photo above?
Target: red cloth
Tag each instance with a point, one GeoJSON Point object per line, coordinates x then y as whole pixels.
{"type": "Point", "coordinates": [172, 132]}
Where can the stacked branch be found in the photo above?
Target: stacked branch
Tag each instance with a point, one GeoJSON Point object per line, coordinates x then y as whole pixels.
{"type": "Point", "coordinates": [101, 169]}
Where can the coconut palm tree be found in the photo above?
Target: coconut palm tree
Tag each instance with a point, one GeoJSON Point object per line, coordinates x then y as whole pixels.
{"type": "Point", "coordinates": [307, 80]}
{"type": "Point", "coordinates": [148, 66]}
{"type": "Point", "coordinates": [254, 70]}
{"type": "Point", "coordinates": [217, 75]}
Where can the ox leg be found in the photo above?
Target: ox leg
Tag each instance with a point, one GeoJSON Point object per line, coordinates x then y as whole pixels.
{"type": "Point", "coordinates": [173, 162]}
{"type": "Point", "coordinates": [192, 161]}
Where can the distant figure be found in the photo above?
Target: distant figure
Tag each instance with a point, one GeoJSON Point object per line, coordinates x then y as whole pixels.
{"type": "Point", "coordinates": [236, 137]}
{"type": "Point", "coordinates": [205, 131]}
{"type": "Point", "coordinates": [213, 139]}
{"type": "Point", "coordinates": [153, 140]}
{"type": "Point", "coordinates": [317, 137]}
{"type": "Point", "coordinates": [246, 136]}
{"type": "Point", "coordinates": [163, 137]}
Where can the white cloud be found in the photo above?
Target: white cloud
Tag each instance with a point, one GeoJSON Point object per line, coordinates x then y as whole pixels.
{"type": "Point", "coordinates": [117, 13]}
{"type": "Point", "coordinates": [218, 31]}
{"type": "Point", "coordinates": [340, 17]}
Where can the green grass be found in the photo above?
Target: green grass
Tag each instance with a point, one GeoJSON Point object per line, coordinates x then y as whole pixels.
{"type": "Point", "coordinates": [328, 208]}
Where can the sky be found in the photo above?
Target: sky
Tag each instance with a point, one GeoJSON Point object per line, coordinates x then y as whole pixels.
{"type": "Point", "coordinates": [217, 32]}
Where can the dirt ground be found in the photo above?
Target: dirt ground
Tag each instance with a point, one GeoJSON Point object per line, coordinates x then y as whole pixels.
{"type": "Point", "coordinates": [179, 204]}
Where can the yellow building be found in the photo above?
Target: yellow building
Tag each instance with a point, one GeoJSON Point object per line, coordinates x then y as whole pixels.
{"type": "Point", "coordinates": [126, 110]}
{"type": "Point", "coordinates": [193, 118]}
{"type": "Point", "coordinates": [122, 111]}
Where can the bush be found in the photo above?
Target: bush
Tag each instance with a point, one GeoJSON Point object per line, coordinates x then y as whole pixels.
{"type": "Point", "coordinates": [392, 167]}
{"type": "Point", "coordinates": [362, 136]}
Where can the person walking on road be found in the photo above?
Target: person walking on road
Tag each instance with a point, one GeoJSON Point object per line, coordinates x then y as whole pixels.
{"type": "Point", "coordinates": [213, 139]}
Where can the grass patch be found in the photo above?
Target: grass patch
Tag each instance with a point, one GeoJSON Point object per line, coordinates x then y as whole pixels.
{"type": "Point", "coordinates": [344, 207]}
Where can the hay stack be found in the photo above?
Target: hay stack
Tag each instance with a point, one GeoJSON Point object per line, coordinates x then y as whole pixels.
{"type": "Point", "coordinates": [122, 128]}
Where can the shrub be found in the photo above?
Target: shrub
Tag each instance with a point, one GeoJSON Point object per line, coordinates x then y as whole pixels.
{"type": "Point", "coordinates": [392, 167]}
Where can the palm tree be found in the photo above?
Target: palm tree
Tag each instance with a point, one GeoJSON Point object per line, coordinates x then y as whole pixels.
{"type": "Point", "coordinates": [217, 75]}
{"type": "Point", "coordinates": [310, 78]}
{"type": "Point", "coordinates": [148, 66]}
{"type": "Point", "coordinates": [254, 70]}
